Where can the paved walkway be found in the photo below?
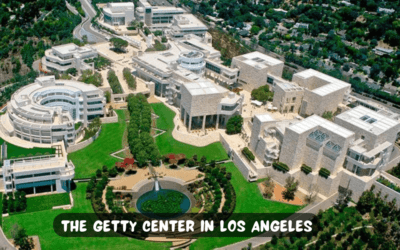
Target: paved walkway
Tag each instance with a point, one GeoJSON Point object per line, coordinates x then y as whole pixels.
{"type": "Point", "coordinates": [4, 243]}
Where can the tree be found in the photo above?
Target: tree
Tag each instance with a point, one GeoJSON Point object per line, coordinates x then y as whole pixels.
{"type": "Point", "coordinates": [234, 125]}
{"type": "Point", "coordinates": [72, 71]}
{"type": "Point", "coordinates": [366, 202]}
{"type": "Point", "coordinates": [254, 30]}
{"type": "Point", "coordinates": [343, 198]}
{"type": "Point", "coordinates": [119, 44]}
{"type": "Point", "coordinates": [141, 158]}
{"type": "Point", "coordinates": [108, 96]}
{"type": "Point", "coordinates": [262, 94]}
{"type": "Point", "coordinates": [23, 241]}
{"type": "Point", "coordinates": [346, 68]}
{"type": "Point", "coordinates": [290, 188]}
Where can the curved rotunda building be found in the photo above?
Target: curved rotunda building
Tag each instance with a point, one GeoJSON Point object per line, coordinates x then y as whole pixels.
{"type": "Point", "coordinates": [47, 110]}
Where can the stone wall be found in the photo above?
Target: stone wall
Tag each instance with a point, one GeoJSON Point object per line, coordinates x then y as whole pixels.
{"type": "Point", "coordinates": [243, 167]}
{"type": "Point", "coordinates": [391, 194]}
{"type": "Point", "coordinates": [81, 145]}
{"type": "Point", "coordinates": [111, 119]}
{"type": "Point", "coordinates": [224, 143]}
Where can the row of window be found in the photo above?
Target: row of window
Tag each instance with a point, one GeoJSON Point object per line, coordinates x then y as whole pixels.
{"type": "Point", "coordinates": [213, 68]}
{"type": "Point", "coordinates": [58, 100]}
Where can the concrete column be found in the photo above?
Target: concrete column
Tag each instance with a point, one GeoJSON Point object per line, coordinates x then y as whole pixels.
{"type": "Point", "coordinates": [34, 190]}
{"type": "Point", "coordinates": [217, 123]}
{"type": "Point", "coordinates": [190, 123]}
{"type": "Point", "coordinates": [51, 187]}
{"type": "Point", "coordinates": [204, 122]}
{"type": "Point", "coordinates": [184, 117]}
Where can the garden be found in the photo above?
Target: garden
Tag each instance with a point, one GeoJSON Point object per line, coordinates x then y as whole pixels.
{"type": "Point", "coordinates": [97, 154]}
{"type": "Point", "coordinates": [41, 223]}
{"type": "Point", "coordinates": [14, 151]}
{"type": "Point", "coordinates": [371, 224]}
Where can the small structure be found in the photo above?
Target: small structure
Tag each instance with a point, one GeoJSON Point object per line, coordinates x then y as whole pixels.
{"type": "Point", "coordinates": [63, 57]}
{"type": "Point", "coordinates": [119, 13]}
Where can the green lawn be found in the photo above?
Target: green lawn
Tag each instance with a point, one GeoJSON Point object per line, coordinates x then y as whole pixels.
{"type": "Point", "coordinates": [41, 224]}
{"type": "Point", "coordinates": [18, 152]}
{"type": "Point", "coordinates": [46, 202]}
{"type": "Point", "coordinates": [97, 154]}
{"type": "Point", "coordinates": [167, 144]}
{"type": "Point", "coordinates": [248, 200]}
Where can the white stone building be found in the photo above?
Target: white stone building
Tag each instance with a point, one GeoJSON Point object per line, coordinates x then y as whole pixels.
{"type": "Point", "coordinates": [310, 92]}
{"type": "Point", "coordinates": [38, 174]}
{"type": "Point", "coordinates": [178, 75]}
{"type": "Point", "coordinates": [187, 24]}
{"type": "Point", "coordinates": [47, 110]}
{"type": "Point", "coordinates": [207, 105]}
{"type": "Point", "coordinates": [156, 16]}
{"type": "Point", "coordinates": [63, 57]}
{"type": "Point", "coordinates": [119, 13]}
{"type": "Point", "coordinates": [256, 69]}
{"type": "Point", "coordinates": [354, 149]}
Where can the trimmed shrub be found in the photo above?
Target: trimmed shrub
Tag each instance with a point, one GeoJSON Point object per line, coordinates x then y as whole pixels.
{"type": "Point", "coordinates": [306, 169]}
{"type": "Point", "coordinates": [249, 155]}
{"type": "Point", "coordinates": [323, 172]}
{"type": "Point", "coordinates": [282, 167]}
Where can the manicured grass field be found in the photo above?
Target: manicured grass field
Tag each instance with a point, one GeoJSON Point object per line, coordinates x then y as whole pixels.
{"type": "Point", "coordinates": [97, 154]}
{"type": "Point", "coordinates": [167, 144]}
{"type": "Point", "coordinates": [41, 224]}
{"type": "Point", "coordinates": [248, 200]}
{"type": "Point", "coordinates": [18, 152]}
{"type": "Point", "coordinates": [46, 202]}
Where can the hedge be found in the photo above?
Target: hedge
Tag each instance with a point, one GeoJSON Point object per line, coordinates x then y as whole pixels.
{"type": "Point", "coordinates": [130, 80]}
{"type": "Point", "coordinates": [249, 155]}
{"type": "Point", "coordinates": [114, 82]}
{"type": "Point", "coordinates": [280, 167]}
{"type": "Point", "coordinates": [306, 169]}
{"type": "Point", "coordinates": [323, 172]}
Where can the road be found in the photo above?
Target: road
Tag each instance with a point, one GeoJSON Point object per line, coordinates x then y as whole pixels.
{"type": "Point", "coordinates": [85, 28]}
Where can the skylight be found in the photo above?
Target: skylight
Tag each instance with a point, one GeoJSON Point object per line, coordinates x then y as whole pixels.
{"type": "Point", "coordinates": [318, 136]}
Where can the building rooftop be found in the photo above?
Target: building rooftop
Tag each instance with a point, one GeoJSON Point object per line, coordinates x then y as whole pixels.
{"type": "Point", "coordinates": [332, 84]}
{"type": "Point", "coordinates": [71, 48]}
{"type": "Point", "coordinates": [204, 87]}
{"type": "Point", "coordinates": [316, 121]}
{"type": "Point", "coordinates": [186, 21]}
{"type": "Point", "coordinates": [259, 60]}
{"type": "Point", "coordinates": [265, 118]}
{"type": "Point", "coordinates": [368, 120]}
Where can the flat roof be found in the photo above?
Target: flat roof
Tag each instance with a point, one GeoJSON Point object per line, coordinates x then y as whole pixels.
{"type": "Point", "coordinates": [333, 84]}
{"type": "Point", "coordinates": [203, 87]}
{"type": "Point", "coordinates": [71, 48]}
{"type": "Point", "coordinates": [316, 121]}
{"type": "Point", "coordinates": [128, 4]}
{"type": "Point", "coordinates": [265, 118]}
{"type": "Point", "coordinates": [258, 58]}
{"type": "Point", "coordinates": [186, 21]}
{"type": "Point", "coordinates": [368, 120]}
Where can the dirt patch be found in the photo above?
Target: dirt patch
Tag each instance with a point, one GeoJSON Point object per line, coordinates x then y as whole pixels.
{"type": "Point", "coordinates": [277, 195]}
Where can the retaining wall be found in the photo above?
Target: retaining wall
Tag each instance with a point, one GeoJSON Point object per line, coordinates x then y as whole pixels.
{"type": "Point", "coordinates": [111, 119]}
{"type": "Point", "coordinates": [81, 145]}
{"type": "Point", "coordinates": [391, 194]}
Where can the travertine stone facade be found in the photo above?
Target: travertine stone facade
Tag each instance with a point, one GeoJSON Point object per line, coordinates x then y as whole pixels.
{"type": "Point", "coordinates": [255, 69]}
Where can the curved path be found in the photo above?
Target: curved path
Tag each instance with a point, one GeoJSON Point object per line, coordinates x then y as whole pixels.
{"type": "Point", "coordinates": [4, 243]}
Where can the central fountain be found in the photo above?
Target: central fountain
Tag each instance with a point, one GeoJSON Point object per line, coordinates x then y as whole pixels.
{"type": "Point", "coordinates": [162, 203]}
